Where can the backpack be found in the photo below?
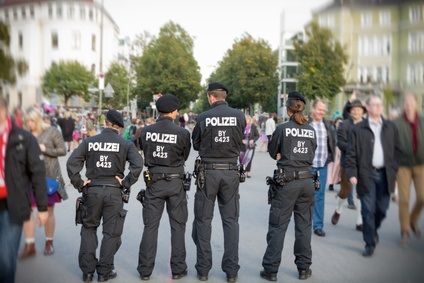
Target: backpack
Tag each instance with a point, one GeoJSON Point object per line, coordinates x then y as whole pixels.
{"type": "Point", "coordinates": [127, 135]}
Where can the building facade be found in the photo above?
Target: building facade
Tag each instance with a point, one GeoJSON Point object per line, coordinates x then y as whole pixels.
{"type": "Point", "coordinates": [384, 40]}
{"type": "Point", "coordinates": [43, 32]}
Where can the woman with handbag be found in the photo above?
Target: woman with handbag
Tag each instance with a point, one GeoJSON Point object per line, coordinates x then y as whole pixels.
{"type": "Point", "coordinates": [251, 135]}
{"type": "Point", "coordinates": [52, 146]}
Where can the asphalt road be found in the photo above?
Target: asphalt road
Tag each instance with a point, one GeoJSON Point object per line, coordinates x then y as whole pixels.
{"type": "Point", "coordinates": [336, 258]}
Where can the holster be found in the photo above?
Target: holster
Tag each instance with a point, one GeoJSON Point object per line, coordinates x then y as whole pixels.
{"type": "Point", "coordinates": [242, 173]}
{"type": "Point", "coordinates": [272, 188]}
{"type": "Point", "coordinates": [148, 178]}
{"type": "Point", "coordinates": [140, 196]}
{"type": "Point", "coordinates": [187, 181]}
{"type": "Point", "coordinates": [316, 181]}
{"type": "Point", "coordinates": [79, 210]}
{"type": "Point", "coordinates": [199, 174]}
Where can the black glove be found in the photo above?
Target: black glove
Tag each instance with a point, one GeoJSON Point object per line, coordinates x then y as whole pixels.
{"type": "Point", "coordinates": [125, 195]}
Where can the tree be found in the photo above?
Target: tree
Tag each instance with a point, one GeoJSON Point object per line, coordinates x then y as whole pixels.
{"type": "Point", "coordinates": [321, 60]}
{"type": "Point", "coordinates": [168, 66]}
{"type": "Point", "coordinates": [10, 68]}
{"type": "Point", "coordinates": [66, 79]}
{"type": "Point", "coordinates": [249, 70]}
{"type": "Point", "coordinates": [118, 77]}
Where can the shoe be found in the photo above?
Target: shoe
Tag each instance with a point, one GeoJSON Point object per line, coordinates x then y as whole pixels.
{"type": "Point", "coordinates": [404, 239]}
{"type": "Point", "coordinates": [335, 218]}
{"type": "Point", "coordinates": [268, 276]}
{"type": "Point", "coordinates": [87, 277]}
{"type": "Point", "coordinates": [202, 277]}
{"type": "Point", "coordinates": [48, 247]}
{"type": "Point", "coordinates": [111, 275]}
{"type": "Point", "coordinates": [359, 227]}
{"type": "Point", "coordinates": [368, 252]}
{"type": "Point", "coordinates": [351, 206]}
{"type": "Point", "coordinates": [305, 274]}
{"type": "Point", "coordinates": [179, 275]}
{"type": "Point", "coordinates": [147, 277]}
{"type": "Point", "coordinates": [28, 251]}
{"type": "Point", "coordinates": [319, 232]}
{"type": "Point", "coordinates": [416, 230]}
{"type": "Point", "coordinates": [331, 187]}
{"type": "Point", "coordinates": [231, 278]}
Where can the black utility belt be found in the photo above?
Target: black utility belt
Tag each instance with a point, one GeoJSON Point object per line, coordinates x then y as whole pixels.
{"type": "Point", "coordinates": [295, 175]}
{"type": "Point", "coordinates": [167, 176]}
{"type": "Point", "coordinates": [220, 166]}
{"type": "Point", "coordinates": [91, 184]}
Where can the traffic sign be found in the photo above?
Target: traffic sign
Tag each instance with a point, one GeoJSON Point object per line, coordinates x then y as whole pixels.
{"type": "Point", "coordinates": [109, 91]}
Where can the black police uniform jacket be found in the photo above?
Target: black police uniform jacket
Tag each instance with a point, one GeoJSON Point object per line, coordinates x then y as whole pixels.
{"type": "Point", "coordinates": [165, 144]}
{"type": "Point", "coordinates": [218, 133]}
{"type": "Point", "coordinates": [105, 156]}
{"type": "Point", "coordinates": [295, 143]}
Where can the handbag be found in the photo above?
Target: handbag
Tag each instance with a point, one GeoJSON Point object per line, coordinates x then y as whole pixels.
{"type": "Point", "coordinates": [51, 185]}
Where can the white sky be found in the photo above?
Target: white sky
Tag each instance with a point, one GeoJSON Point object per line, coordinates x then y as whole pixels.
{"type": "Point", "coordinates": [214, 24]}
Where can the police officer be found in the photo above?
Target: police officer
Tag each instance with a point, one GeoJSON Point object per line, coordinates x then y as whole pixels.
{"type": "Point", "coordinates": [218, 137]}
{"type": "Point", "coordinates": [166, 147]}
{"type": "Point", "coordinates": [104, 191]}
{"type": "Point", "coordinates": [293, 145]}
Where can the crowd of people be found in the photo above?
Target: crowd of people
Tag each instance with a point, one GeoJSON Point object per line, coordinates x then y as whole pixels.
{"type": "Point", "coordinates": [367, 159]}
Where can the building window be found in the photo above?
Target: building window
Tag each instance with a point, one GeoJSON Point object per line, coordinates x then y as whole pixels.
{"type": "Point", "coordinates": [385, 18]}
{"type": "Point", "coordinates": [90, 14]}
{"type": "Point", "coordinates": [59, 11]}
{"type": "Point", "coordinates": [71, 12]}
{"type": "Point", "coordinates": [414, 14]}
{"type": "Point", "coordinates": [50, 8]}
{"type": "Point", "coordinates": [23, 12]}
{"type": "Point", "coordinates": [366, 19]}
{"type": "Point", "coordinates": [76, 40]}
{"type": "Point", "coordinates": [55, 40]}
{"type": "Point", "coordinates": [20, 40]}
{"type": "Point", "coordinates": [415, 74]}
{"type": "Point", "coordinates": [416, 42]}
{"type": "Point", "coordinates": [31, 11]}
{"type": "Point", "coordinates": [93, 42]}
{"type": "Point", "coordinates": [326, 21]}
{"type": "Point", "coordinates": [15, 14]}
{"type": "Point", "coordinates": [82, 13]}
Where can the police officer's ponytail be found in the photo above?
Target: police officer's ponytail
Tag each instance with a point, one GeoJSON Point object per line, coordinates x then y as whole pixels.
{"type": "Point", "coordinates": [295, 109]}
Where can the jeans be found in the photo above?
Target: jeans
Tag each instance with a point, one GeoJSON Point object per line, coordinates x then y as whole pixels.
{"type": "Point", "coordinates": [10, 236]}
{"type": "Point", "coordinates": [318, 215]}
{"type": "Point", "coordinates": [374, 205]}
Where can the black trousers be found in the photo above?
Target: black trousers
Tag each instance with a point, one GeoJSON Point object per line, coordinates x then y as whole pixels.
{"type": "Point", "coordinates": [105, 203]}
{"type": "Point", "coordinates": [295, 198]}
{"type": "Point", "coordinates": [172, 193]}
{"type": "Point", "coordinates": [224, 185]}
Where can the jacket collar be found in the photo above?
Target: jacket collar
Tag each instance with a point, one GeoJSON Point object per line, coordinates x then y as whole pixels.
{"type": "Point", "coordinates": [218, 103]}
{"type": "Point", "coordinates": [163, 118]}
{"type": "Point", "coordinates": [366, 124]}
{"type": "Point", "coordinates": [110, 130]}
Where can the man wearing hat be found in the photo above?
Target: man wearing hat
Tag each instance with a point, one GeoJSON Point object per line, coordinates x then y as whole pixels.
{"type": "Point", "coordinates": [356, 110]}
{"type": "Point", "coordinates": [166, 148]}
{"type": "Point", "coordinates": [218, 137]}
{"type": "Point", "coordinates": [104, 190]}
{"type": "Point", "coordinates": [291, 192]}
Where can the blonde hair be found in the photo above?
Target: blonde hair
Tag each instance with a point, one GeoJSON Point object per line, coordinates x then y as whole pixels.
{"type": "Point", "coordinates": [36, 116]}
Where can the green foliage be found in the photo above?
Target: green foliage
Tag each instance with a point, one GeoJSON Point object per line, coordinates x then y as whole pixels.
{"type": "Point", "coordinates": [118, 77]}
{"type": "Point", "coordinates": [248, 70]}
{"type": "Point", "coordinates": [321, 60]}
{"type": "Point", "coordinates": [10, 68]}
{"type": "Point", "coordinates": [66, 79]}
{"type": "Point", "coordinates": [168, 66]}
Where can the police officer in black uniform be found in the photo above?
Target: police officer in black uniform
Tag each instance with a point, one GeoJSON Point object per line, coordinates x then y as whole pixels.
{"type": "Point", "coordinates": [293, 145]}
{"type": "Point", "coordinates": [166, 147]}
{"type": "Point", "coordinates": [104, 191]}
{"type": "Point", "coordinates": [218, 137]}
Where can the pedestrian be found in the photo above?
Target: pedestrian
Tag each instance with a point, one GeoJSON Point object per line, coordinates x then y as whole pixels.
{"type": "Point", "coordinates": [270, 126]}
{"type": "Point", "coordinates": [166, 148]}
{"type": "Point", "coordinates": [218, 137]}
{"type": "Point", "coordinates": [333, 177]}
{"type": "Point", "coordinates": [21, 169]}
{"type": "Point", "coordinates": [67, 125]}
{"type": "Point", "coordinates": [356, 111]}
{"type": "Point", "coordinates": [104, 191]}
{"type": "Point", "coordinates": [410, 126]}
{"type": "Point", "coordinates": [372, 167]}
{"type": "Point", "coordinates": [251, 135]}
{"type": "Point", "coordinates": [324, 154]}
{"type": "Point", "coordinates": [52, 146]}
{"type": "Point", "coordinates": [293, 145]}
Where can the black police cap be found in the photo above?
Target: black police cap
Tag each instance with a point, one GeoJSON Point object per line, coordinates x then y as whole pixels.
{"type": "Point", "coordinates": [296, 96]}
{"type": "Point", "coordinates": [217, 86]}
{"type": "Point", "coordinates": [167, 103]}
{"type": "Point", "coordinates": [115, 118]}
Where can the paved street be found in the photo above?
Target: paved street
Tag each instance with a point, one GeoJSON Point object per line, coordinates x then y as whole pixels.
{"type": "Point", "coordinates": [336, 258]}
